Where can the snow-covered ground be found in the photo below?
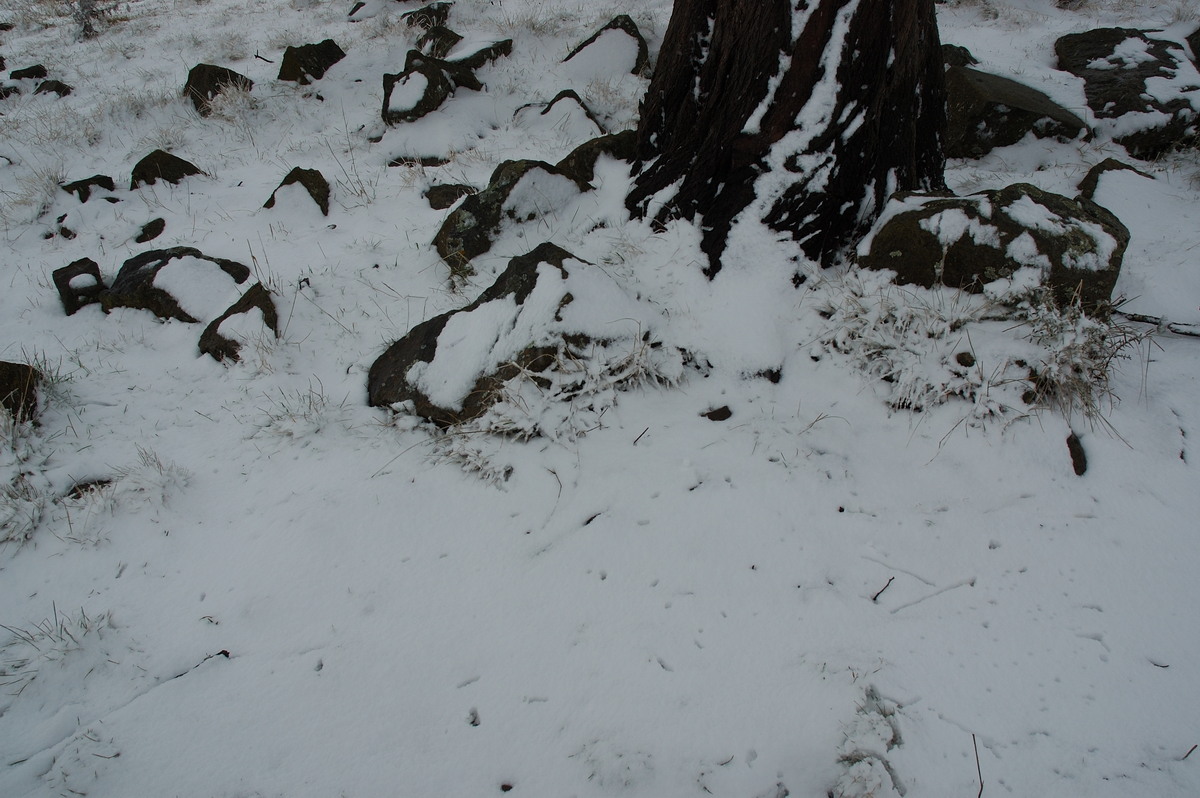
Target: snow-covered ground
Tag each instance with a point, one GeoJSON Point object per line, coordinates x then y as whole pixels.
{"type": "Point", "coordinates": [277, 590]}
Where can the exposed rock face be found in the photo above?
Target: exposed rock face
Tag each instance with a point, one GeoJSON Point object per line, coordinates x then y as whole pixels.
{"type": "Point", "coordinates": [468, 230]}
{"type": "Point", "coordinates": [79, 284]}
{"type": "Point", "coordinates": [623, 23]}
{"type": "Point", "coordinates": [83, 188]}
{"type": "Point", "coordinates": [985, 111]}
{"type": "Point", "coordinates": [161, 165]}
{"type": "Point", "coordinates": [1018, 233]}
{"type": "Point", "coordinates": [1144, 89]}
{"type": "Point", "coordinates": [309, 62]}
{"type": "Point", "coordinates": [18, 390]}
{"type": "Point", "coordinates": [138, 283]}
{"type": "Point", "coordinates": [206, 81]}
{"type": "Point", "coordinates": [580, 163]}
{"type": "Point", "coordinates": [313, 182]}
{"type": "Point", "coordinates": [221, 346]}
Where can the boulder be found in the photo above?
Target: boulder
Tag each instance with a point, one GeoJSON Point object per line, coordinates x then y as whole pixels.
{"type": "Point", "coordinates": [580, 163]}
{"type": "Point", "coordinates": [1193, 42]}
{"type": "Point", "coordinates": [79, 284]}
{"type": "Point", "coordinates": [148, 281]}
{"type": "Point", "coordinates": [1091, 181]}
{"type": "Point", "coordinates": [206, 81]}
{"type": "Point", "coordinates": [1143, 90]}
{"type": "Point", "coordinates": [485, 55]}
{"type": "Point", "coordinates": [986, 111]}
{"type": "Point", "coordinates": [467, 232]}
{"type": "Point", "coordinates": [151, 230]}
{"type": "Point", "coordinates": [35, 72]}
{"type": "Point", "coordinates": [438, 41]}
{"type": "Point", "coordinates": [309, 62]}
{"type": "Point", "coordinates": [443, 196]}
{"type": "Point", "coordinates": [431, 16]}
{"type": "Point", "coordinates": [622, 24]}
{"type": "Point", "coordinates": [957, 55]}
{"type": "Point", "coordinates": [161, 165]}
{"type": "Point", "coordinates": [567, 114]}
{"type": "Point", "coordinates": [548, 325]}
{"type": "Point", "coordinates": [18, 390]}
{"type": "Point", "coordinates": [313, 182]}
{"type": "Point", "coordinates": [224, 346]}
{"type": "Point", "coordinates": [1019, 234]}
{"type": "Point", "coordinates": [53, 87]}
{"type": "Point", "coordinates": [83, 188]}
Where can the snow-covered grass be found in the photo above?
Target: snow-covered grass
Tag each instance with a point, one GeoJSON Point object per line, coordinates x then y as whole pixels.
{"type": "Point", "coordinates": [827, 539]}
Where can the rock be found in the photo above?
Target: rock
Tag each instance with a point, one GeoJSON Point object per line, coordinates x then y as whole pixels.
{"type": "Point", "coordinates": [420, 89]}
{"type": "Point", "coordinates": [35, 72]}
{"type": "Point", "coordinates": [536, 327]}
{"type": "Point", "coordinates": [9, 91]}
{"type": "Point", "coordinates": [53, 87]}
{"type": "Point", "coordinates": [79, 284]}
{"type": "Point", "coordinates": [161, 165]}
{"type": "Point", "coordinates": [1193, 42]}
{"type": "Point", "coordinates": [206, 81]}
{"type": "Point", "coordinates": [987, 111]}
{"type": "Point", "coordinates": [1090, 182]}
{"type": "Point", "coordinates": [443, 196]}
{"type": "Point", "coordinates": [137, 284]}
{"type": "Point", "coordinates": [567, 115]}
{"type": "Point", "coordinates": [580, 164]}
{"type": "Point", "coordinates": [485, 55]}
{"type": "Point", "coordinates": [18, 390]}
{"type": "Point", "coordinates": [438, 41]}
{"type": "Point", "coordinates": [956, 55]}
{"type": "Point", "coordinates": [468, 230]}
{"type": "Point", "coordinates": [313, 182]}
{"type": "Point", "coordinates": [309, 62]}
{"type": "Point", "coordinates": [1142, 89]}
{"type": "Point", "coordinates": [151, 230]}
{"type": "Point", "coordinates": [83, 188]}
{"type": "Point", "coordinates": [1078, 455]}
{"type": "Point", "coordinates": [1019, 234]}
{"type": "Point", "coordinates": [431, 16]}
{"type": "Point", "coordinates": [222, 347]}
{"type": "Point", "coordinates": [722, 413]}
{"type": "Point", "coordinates": [623, 23]}
{"type": "Point", "coordinates": [412, 161]}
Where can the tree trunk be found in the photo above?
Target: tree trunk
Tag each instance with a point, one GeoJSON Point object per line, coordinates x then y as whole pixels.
{"type": "Point", "coordinates": [807, 113]}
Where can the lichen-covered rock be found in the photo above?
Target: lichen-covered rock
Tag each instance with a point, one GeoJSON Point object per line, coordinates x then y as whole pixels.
{"type": "Point", "coordinates": [206, 81]}
{"type": "Point", "coordinates": [1145, 92]}
{"type": "Point", "coordinates": [309, 62]}
{"type": "Point", "coordinates": [78, 283]}
{"type": "Point", "coordinates": [312, 181]}
{"type": "Point", "coordinates": [513, 192]}
{"type": "Point", "coordinates": [546, 312]}
{"type": "Point", "coordinates": [1012, 238]}
{"type": "Point", "coordinates": [640, 63]}
{"type": "Point", "coordinates": [161, 165]}
{"type": "Point", "coordinates": [18, 390]}
{"type": "Point", "coordinates": [227, 345]}
{"type": "Point", "coordinates": [177, 283]}
{"type": "Point", "coordinates": [985, 111]}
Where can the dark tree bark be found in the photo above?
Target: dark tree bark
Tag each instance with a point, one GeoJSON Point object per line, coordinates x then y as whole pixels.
{"type": "Point", "coordinates": [808, 113]}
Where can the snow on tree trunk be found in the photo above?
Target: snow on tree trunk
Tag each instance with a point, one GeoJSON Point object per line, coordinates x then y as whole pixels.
{"type": "Point", "coordinates": [806, 113]}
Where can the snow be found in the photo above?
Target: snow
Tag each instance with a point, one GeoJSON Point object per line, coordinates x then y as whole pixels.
{"type": "Point", "coordinates": [407, 92]}
{"type": "Point", "coordinates": [282, 591]}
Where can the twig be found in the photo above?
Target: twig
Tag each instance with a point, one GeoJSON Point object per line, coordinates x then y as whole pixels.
{"type": "Point", "coordinates": [1189, 753]}
{"type": "Point", "coordinates": [1177, 327]}
{"type": "Point", "coordinates": [885, 587]}
{"type": "Point", "coordinates": [638, 438]}
{"type": "Point", "coordinates": [260, 58]}
{"type": "Point", "coordinates": [978, 769]}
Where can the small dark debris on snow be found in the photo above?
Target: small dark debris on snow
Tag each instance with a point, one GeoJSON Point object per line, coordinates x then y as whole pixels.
{"type": "Point", "coordinates": [722, 413]}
